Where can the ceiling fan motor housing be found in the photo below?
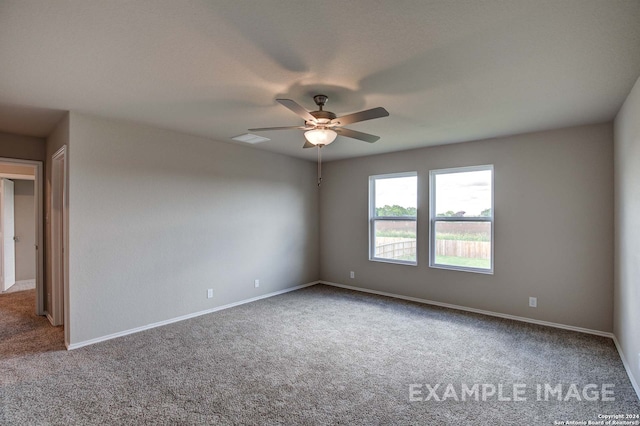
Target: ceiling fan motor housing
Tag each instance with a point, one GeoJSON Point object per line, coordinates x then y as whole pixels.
{"type": "Point", "coordinates": [323, 117]}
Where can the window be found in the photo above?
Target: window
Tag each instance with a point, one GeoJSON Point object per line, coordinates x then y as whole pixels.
{"type": "Point", "coordinates": [461, 219]}
{"type": "Point", "coordinates": [393, 201]}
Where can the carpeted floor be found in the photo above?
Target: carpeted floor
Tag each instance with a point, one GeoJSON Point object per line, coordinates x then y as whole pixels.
{"type": "Point", "coordinates": [320, 355]}
{"type": "Point", "coordinates": [22, 332]}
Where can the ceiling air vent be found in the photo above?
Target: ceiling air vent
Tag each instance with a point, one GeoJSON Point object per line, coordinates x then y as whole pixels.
{"type": "Point", "coordinates": [249, 138]}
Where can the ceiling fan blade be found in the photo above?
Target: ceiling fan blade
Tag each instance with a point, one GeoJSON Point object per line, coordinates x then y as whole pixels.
{"type": "Point", "coordinates": [308, 144]}
{"type": "Point", "coordinates": [357, 135]}
{"type": "Point", "coordinates": [368, 114]}
{"type": "Point", "coordinates": [262, 129]}
{"type": "Point", "coordinates": [297, 108]}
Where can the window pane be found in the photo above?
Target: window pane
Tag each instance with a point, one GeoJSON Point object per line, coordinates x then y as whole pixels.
{"type": "Point", "coordinates": [395, 239]}
{"type": "Point", "coordinates": [465, 194]}
{"type": "Point", "coordinates": [396, 197]}
{"type": "Point", "coordinates": [463, 244]}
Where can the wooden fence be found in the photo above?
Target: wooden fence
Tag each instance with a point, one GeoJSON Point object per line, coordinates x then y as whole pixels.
{"type": "Point", "coordinates": [403, 249]}
{"type": "Point", "coordinates": [460, 248]}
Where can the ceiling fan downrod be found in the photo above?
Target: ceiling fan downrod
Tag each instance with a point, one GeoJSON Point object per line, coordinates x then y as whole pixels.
{"type": "Point", "coordinates": [320, 100]}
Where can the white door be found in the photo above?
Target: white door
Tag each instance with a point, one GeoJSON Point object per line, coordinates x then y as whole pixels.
{"type": "Point", "coordinates": [8, 235]}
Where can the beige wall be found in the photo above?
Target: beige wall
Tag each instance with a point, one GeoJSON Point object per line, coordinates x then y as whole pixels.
{"type": "Point", "coordinates": [553, 226]}
{"type": "Point", "coordinates": [24, 172]}
{"type": "Point", "coordinates": [22, 147]}
{"type": "Point", "coordinates": [627, 231]}
{"type": "Point", "coordinates": [24, 200]}
{"type": "Point", "coordinates": [157, 218]}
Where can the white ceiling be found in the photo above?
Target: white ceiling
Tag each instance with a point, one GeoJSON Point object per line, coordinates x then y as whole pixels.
{"type": "Point", "coordinates": [447, 71]}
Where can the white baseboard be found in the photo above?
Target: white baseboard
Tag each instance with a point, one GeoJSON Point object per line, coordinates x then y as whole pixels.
{"type": "Point", "coordinates": [49, 317]}
{"type": "Point", "coordinates": [627, 367]}
{"type": "Point", "coordinates": [184, 317]}
{"type": "Point", "coordinates": [477, 311]}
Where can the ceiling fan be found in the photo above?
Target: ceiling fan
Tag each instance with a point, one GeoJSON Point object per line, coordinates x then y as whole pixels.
{"type": "Point", "coordinates": [322, 127]}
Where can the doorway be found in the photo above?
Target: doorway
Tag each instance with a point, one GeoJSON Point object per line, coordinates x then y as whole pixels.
{"type": "Point", "coordinates": [14, 170]}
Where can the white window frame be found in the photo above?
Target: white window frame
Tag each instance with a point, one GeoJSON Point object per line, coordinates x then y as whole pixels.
{"type": "Point", "coordinates": [433, 218]}
{"type": "Point", "coordinates": [373, 218]}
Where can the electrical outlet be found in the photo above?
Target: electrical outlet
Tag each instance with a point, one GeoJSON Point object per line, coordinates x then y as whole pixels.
{"type": "Point", "coordinates": [256, 283]}
{"type": "Point", "coordinates": [209, 293]}
{"type": "Point", "coordinates": [533, 302]}
{"type": "Point", "coordinates": [352, 274]}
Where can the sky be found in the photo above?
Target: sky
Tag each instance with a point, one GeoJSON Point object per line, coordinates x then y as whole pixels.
{"type": "Point", "coordinates": [401, 191]}
{"type": "Point", "coordinates": [467, 191]}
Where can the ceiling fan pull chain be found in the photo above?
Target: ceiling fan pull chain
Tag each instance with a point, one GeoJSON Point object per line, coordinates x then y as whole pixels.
{"type": "Point", "coordinates": [319, 166]}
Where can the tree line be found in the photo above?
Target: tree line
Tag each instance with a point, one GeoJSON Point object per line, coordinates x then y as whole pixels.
{"type": "Point", "coordinates": [399, 211]}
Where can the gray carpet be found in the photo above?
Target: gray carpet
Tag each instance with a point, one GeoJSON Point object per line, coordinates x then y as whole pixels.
{"type": "Point", "coordinates": [320, 355]}
{"type": "Point", "coordinates": [22, 332]}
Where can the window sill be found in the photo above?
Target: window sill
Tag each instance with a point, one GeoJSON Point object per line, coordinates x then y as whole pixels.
{"type": "Point", "coordinates": [463, 269]}
{"type": "Point", "coordinates": [397, 262]}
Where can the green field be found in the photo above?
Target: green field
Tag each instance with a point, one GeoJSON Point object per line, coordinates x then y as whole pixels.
{"type": "Point", "coordinates": [396, 234]}
{"type": "Point", "coordinates": [463, 261]}
{"type": "Point", "coordinates": [439, 236]}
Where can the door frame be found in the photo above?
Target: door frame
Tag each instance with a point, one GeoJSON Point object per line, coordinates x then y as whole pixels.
{"type": "Point", "coordinates": [59, 312]}
{"type": "Point", "coordinates": [39, 224]}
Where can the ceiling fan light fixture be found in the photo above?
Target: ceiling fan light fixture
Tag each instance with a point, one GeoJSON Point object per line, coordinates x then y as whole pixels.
{"type": "Point", "coordinates": [320, 136]}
